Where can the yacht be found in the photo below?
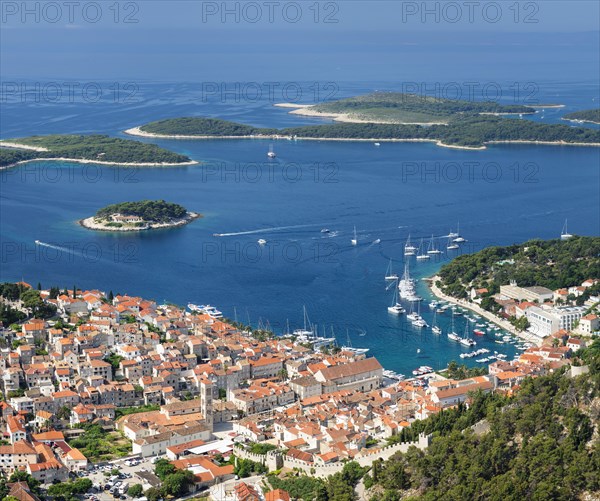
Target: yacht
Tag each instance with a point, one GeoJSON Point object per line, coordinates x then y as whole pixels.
{"type": "Point", "coordinates": [388, 274]}
{"type": "Point", "coordinates": [307, 332]}
{"type": "Point", "coordinates": [458, 239]}
{"type": "Point", "coordinates": [432, 249]}
{"type": "Point", "coordinates": [564, 235]}
{"type": "Point", "coordinates": [38, 242]}
{"type": "Point", "coordinates": [354, 240]}
{"type": "Point", "coordinates": [466, 340]}
{"type": "Point", "coordinates": [262, 241]}
{"type": "Point", "coordinates": [409, 249]}
{"type": "Point", "coordinates": [271, 153]}
{"type": "Point", "coordinates": [325, 230]}
{"type": "Point", "coordinates": [419, 323]}
{"type": "Point", "coordinates": [435, 329]}
{"type": "Point", "coordinates": [377, 144]}
{"type": "Point", "coordinates": [451, 245]}
{"type": "Point", "coordinates": [453, 335]}
{"type": "Point", "coordinates": [396, 308]}
{"type": "Point", "coordinates": [356, 351]}
{"type": "Point", "coordinates": [420, 255]}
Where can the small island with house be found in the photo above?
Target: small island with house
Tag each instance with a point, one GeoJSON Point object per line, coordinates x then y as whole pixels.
{"type": "Point", "coordinates": [139, 216]}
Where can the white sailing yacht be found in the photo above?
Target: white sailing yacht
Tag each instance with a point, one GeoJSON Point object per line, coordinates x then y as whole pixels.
{"type": "Point", "coordinates": [451, 245]}
{"type": "Point", "coordinates": [432, 249]}
{"type": "Point", "coordinates": [421, 255]}
{"type": "Point", "coordinates": [354, 240]}
{"type": "Point", "coordinates": [396, 308]}
{"type": "Point", "coordinates": [458, 239]}
{"type": "Point", "coordinates": [453, 335]}
{"type": "Point", "coordinates": [418, 320]}
{"type": "Point", "coordinates": [466, 340]}
{"type": "Point", "coordinates": [435, 329]}
{"type": "Point", "coordinates": [388, 274]}
{"type": "Point", "coordinates": [356, 351]}
{"type": "Point", "coordinates": [409, 249]}
{"type": "Point", "coordinates": [565, 235]}
{"type": "Point", "coordinates": [307, 332]}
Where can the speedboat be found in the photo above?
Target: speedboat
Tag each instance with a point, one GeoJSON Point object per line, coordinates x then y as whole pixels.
{"type": "Point", "coordinates": [261, 241]}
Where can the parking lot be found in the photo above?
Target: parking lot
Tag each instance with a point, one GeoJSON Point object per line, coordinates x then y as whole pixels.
{"type": "Point", "coordinates": [128, 475]}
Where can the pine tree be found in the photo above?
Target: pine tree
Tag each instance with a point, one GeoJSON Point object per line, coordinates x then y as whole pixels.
{"type": "Point", "coordinates": [39, 286]}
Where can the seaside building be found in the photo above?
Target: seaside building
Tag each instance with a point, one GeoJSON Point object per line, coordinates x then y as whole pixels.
{"type": "Point", "coordinates": [544, 323]}
{"type": "Point", "coordinates": [533, 294]}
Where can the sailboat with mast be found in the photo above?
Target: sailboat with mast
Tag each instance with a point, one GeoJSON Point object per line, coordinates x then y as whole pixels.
{"type": "Point", "coordinates": [421, 255]}
{"type": "Point", "coordinates": [458, 239]}
{"type": "Point", "coordinates": [564, 234]}
{"type": "Point", "coordinates": [409, 248]}
{"type": "Point", "coordinates": [307, 332]}
{"type": "Point", "coordinates": [432, 249]}
{"type": "Point", "coordinates": [356, 351]}
{"type": "Point", "coordinates": [406, 286]}
{"type": "Point", "coordinates": [435, 329]}
{"type": "Point", "coordinates": [395, 308]}
{"type": "Point", "coordinates": [451, 245]}
{"type": "Point", "coordinates": [354, 240]}
{"type": "Point", "coordinates": [453, 335]}
{"type": "Point", "coordinates": [466, 340]}
{"type": "Point", "coordinates": [418, 320]}
{"type": "Point", "coordinates": [388, 274]}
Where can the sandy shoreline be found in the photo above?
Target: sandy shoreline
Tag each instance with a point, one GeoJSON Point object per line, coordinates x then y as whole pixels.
{"type": "Point", "coordinates": [100, 162]}
{"type": "Point", "coordinates": [475, 308]}
{"type": "Point", "coordinates": [90, 224]}
{"type": "Point", "coordinates": [20, 146]}
{"type": "Point", "coordinates": [580, 121]}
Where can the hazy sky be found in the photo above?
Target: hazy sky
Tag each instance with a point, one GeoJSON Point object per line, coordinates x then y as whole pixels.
{"type": "Point", "coordinates": [169, 40]}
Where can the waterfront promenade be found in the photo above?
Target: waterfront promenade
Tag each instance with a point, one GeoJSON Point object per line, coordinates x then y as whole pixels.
{"type": "Point", "coordinates": [474, 307]}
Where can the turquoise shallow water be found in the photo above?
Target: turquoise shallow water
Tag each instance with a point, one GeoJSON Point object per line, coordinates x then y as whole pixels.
{"type": "Point", "coordinates": [502, 195]}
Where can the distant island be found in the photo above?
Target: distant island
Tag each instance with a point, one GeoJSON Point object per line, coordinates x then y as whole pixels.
{"type": "Point", "coordinates": [468, 131]}
{"type": "Point", "coordinates": [97, 149]}
{"type": "Point", "coordinates": [139, 216]}
{"type": "Point", "coordinates": [403, 108]}
{"type": "Point", "coordinates": [588, 116]}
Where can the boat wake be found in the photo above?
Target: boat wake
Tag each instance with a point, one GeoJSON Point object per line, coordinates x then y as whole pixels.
{"type": "Point", "coordinates": [50, 246]}
{"type": "Point", "coordinates": [263, 230]}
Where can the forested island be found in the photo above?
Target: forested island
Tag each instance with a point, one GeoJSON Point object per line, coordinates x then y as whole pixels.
{"type": "Point", "coordinates": [462, 130]}
{"type": "Point", "coordinates": [548, 263]}
{"type": "Point", "coordinates": [589, 116]}
{"type": "Point", "coordinates": [98, 149]}
{"type": "Point", "coordinates": [139, 216]}
{"type": "Point", "coordinates": [405, 108]}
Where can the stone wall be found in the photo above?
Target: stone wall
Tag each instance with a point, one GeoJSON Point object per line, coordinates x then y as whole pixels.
{"type": "Point", "coordinates": [275, 460]}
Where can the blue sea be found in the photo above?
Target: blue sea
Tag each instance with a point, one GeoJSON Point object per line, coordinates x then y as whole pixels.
{"type": "Point", "coordinates": [503, 195]}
